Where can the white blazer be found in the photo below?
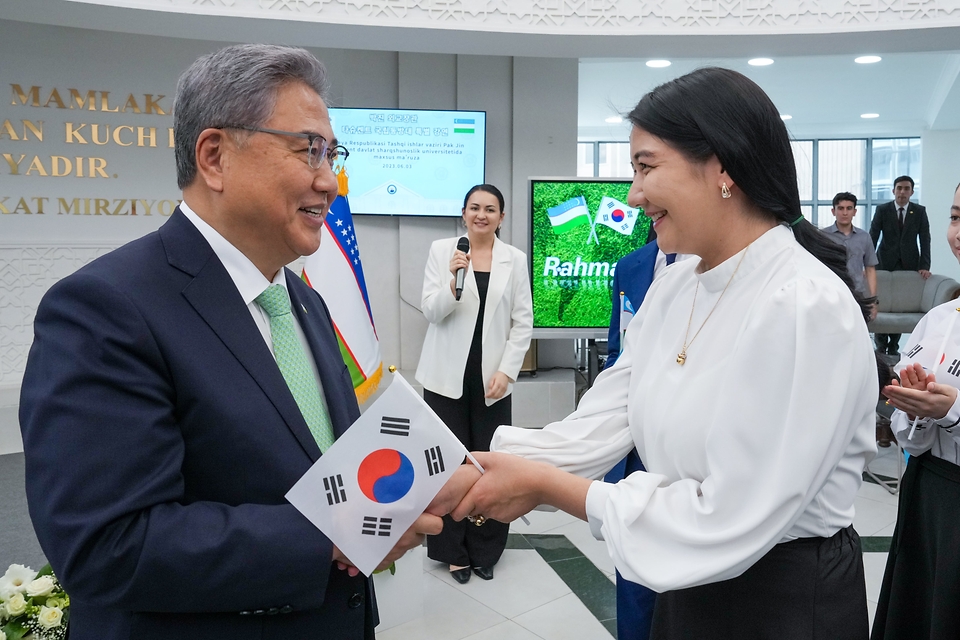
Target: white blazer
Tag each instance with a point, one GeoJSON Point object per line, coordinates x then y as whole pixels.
{"type": "Point", "coordinates": [507, 319]}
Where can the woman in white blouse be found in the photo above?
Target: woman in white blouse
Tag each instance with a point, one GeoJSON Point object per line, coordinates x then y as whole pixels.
{"type": "Point", "coordinates": [471, 356]}
{"type": "Point", "coordinates": [747, 383]}
{"type": "Point", "coordinates": [921, 584]}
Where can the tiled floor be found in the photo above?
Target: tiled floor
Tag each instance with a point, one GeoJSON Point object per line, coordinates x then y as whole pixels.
{"type": "Point", "coordinates": [555, 581]}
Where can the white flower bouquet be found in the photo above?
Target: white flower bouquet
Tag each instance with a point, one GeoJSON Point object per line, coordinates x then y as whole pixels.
{"type": "Point", "coordinates": [32, 602]}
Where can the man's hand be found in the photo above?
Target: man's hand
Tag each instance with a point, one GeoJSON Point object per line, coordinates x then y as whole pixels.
{"type": "Point", "coordinates": [426, 524]}
{"type": "Point", "coordinates": [924, 273]}
{"type": "Point", "coordinates": [498, 385]}
{"type": "Point", "coordinates": [873, 311]}
{"type": "Point", "coordinates": [452, 493]}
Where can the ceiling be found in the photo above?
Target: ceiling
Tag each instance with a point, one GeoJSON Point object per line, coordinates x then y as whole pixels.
{"type": "Point", "coordinates": [912, 92]}
{"type": "Point", "coordinates": [914, 88]}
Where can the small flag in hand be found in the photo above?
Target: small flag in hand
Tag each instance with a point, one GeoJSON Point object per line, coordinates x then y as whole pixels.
{"type": "Point", "coordinates": [379, 476]}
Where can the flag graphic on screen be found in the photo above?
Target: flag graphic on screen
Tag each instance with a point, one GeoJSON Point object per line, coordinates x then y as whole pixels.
{"type": "Point", "coordinates": [569, 215]}
{"type": "Point", "coordinates": [379, 478]}
{"type": "Point", "coordinates": [616, 215]}
{"type": "Point", "coordinates": [336, 273]}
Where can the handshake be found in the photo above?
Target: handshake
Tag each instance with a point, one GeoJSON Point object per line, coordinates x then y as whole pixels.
{"type": "Point", "coordinates": [510, 487]}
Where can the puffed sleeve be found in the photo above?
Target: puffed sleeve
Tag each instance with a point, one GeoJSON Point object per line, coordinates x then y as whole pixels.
{"type": "Point", "coordinates": [437, 302]}
{"type": "Point", "coordinates": [799, 385]}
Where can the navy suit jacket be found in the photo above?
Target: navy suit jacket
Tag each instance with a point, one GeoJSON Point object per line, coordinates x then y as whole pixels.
{"type": "Point", "coordinates": [633, 277]}
{"type": "Point", "coordinates": [898, 248]}
{"type": "Point", "coordinates": [160, 439]}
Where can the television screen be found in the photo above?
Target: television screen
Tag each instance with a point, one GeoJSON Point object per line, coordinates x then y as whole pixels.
{"type": "Point", "coordinates": [580, 228]}
{"type": "Point", "coordinates": [411, 162]}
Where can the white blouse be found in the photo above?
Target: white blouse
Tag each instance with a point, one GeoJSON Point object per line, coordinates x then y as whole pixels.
{"type": "Point", "coordinates": [939, 436]}
{"type": "Point", "coordinates": [760, 437]}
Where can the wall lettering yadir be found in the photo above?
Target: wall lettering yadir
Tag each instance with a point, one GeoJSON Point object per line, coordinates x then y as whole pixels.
{"type": "Point", "coordinates": [77, 135]}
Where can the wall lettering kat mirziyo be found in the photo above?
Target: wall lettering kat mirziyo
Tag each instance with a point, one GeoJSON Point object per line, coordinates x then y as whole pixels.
{"type": "Point", "coordinates": [20, 136]}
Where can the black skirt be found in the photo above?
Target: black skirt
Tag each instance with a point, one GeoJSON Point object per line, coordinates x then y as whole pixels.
{"type": "Point", "coordinates": [921, 584]}
{"type": "Point", "coordinates": [805, 589]}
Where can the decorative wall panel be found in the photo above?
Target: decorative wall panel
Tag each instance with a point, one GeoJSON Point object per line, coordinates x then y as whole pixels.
{"type": "Point", "coordinates": [589, 17]}
{"type": "Point", "coordinates": [26, 272]}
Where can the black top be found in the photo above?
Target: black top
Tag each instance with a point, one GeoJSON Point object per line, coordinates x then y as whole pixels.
{"type": "Point", "coordinates": [475, 357]}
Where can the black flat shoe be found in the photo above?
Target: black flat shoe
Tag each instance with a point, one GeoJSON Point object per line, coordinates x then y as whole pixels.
{"type": "Point", "coordinates": [484, 572]}
{"type": "Point", "coordinates": [463, 575]}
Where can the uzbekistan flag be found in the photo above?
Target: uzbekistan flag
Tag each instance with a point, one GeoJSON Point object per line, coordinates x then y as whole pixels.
{"type": "Point", "coordinates": [336, 273]}
{"type": "Point", "coordinates": [569, 215]}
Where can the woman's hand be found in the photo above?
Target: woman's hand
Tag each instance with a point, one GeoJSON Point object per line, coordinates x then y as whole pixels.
{"type": "Point", "coordinates": [498, 385]}
{"type": "Point", "coordinates": [460, 260]}
{"type": "Point", "coordinates": [920, 395]}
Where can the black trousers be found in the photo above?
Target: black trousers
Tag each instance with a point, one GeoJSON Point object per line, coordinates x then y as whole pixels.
{"type": "Point", "coordinates": [888, 343]}
{"type": "Point", "coordinates": [921, 584]}
{"type": "Point", "coordinates": [806, 589]}
{"type": "Point", "coordinates": [462, 543]}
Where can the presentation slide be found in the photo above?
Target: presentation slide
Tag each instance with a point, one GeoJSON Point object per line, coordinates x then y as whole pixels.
{"type": "Point", "coordinates": [411, 162]}
{"type": "Point", "coordinates": [580, 229]}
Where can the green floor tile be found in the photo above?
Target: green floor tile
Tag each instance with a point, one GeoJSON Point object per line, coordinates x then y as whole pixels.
{"type": "Point", "coordinates": [876, 544]}
{"type": "Point", "coordinates": [517, 541]}
{"type": "Point", "coordinates": [553, 547]}
{"type": "Point", "coordinates": [590, 585]}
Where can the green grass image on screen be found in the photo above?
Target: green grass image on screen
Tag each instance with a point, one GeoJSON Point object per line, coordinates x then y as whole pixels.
{"type": "Point", "coordinates": [577, 301]}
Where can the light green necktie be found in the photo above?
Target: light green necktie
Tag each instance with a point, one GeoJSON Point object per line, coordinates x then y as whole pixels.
{"type": "Point", "coordinates": [294, 365]}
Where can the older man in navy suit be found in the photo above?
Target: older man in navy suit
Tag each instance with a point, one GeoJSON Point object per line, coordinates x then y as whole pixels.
{"type": "Point", "coordinates": [180, 385]}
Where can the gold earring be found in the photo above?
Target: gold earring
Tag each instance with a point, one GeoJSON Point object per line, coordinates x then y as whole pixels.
{"type": "Point", "coordinates": [725, 191]}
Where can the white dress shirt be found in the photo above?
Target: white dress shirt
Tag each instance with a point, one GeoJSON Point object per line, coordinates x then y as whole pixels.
{"type": "Point", "coordinates": [760, 437]}
{"type": "Point", "coordinates": [251, 283]}
{"type": "Point", "coordinates": [939, 436]}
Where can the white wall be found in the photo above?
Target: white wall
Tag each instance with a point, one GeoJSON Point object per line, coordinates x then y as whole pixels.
{"type": "Point", "coordinates": [941, 174]}
{"type": "Point", "coordinates": [531, 106]}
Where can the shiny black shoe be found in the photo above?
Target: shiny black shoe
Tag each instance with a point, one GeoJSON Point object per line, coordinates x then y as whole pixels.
{"type": "Point", "coordinates": [463, 575]}
{"type": "Point", "coordinates": [484, 572]}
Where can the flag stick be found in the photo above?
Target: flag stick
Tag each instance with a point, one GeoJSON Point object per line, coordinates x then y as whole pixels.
{"type": "Point", "coordinates": [936, 363]}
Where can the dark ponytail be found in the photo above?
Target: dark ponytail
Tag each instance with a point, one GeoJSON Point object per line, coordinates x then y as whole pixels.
{"type": "Point", "coordinates": [722, 113]}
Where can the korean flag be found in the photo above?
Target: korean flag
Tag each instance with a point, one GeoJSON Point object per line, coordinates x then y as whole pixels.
{"type": "Point", "coordinates": [379, 476]}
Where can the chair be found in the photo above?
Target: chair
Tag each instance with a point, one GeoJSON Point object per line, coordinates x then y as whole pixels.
{"type": "Point", "coordinates": [905, 297]}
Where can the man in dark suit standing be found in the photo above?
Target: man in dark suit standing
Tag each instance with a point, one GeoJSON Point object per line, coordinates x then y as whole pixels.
{"type": "Point", "coordinates": [180, 385]}
{"type": "Point", "coordinates": [898, 225]}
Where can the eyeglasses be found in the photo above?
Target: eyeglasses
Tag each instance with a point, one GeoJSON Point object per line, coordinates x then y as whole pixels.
{"type": "Point", "coordinates": [318, 147]}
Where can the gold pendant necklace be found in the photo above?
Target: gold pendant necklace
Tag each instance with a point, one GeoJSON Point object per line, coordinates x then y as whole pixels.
{"type": "Point", "coordinates": [682, 356]}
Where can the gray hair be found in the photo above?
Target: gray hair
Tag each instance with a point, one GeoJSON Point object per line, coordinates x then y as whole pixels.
{"type": "Point", "coordinates": [235, 85]}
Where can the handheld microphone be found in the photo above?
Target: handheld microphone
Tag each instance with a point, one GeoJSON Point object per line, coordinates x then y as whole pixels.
{"type": "Point", "coordinates": [462, 245]}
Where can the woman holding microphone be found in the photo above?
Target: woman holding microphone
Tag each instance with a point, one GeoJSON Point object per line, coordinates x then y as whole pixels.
{"type": "Point", "coordinates": [471, 356]}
